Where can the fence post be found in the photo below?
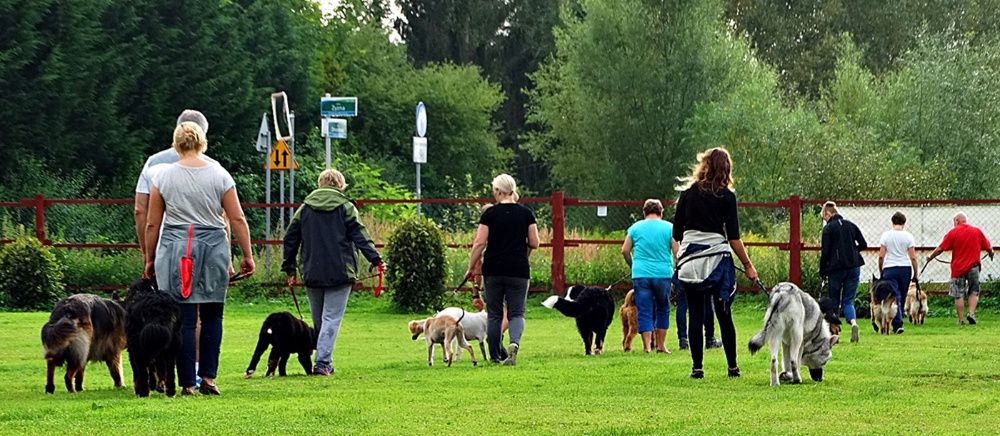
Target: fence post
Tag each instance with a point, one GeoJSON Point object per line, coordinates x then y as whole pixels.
{"type": "Point", "coordinates": [795, 239]}
{"type": "Point", "coordinates": [558, 274]}
{"type": "Point", "coordinates": [40, 219]}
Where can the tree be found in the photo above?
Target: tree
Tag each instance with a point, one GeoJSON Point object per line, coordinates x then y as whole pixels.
{"type": "Point", "coordinates": [624, 80]}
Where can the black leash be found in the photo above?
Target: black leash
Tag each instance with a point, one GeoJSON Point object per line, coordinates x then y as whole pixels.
{"type": "Point", "coordinates": [296, 300]}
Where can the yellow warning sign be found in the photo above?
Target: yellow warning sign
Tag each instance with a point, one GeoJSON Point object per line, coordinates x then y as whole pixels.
{"type": "Point", "coordinates": [281, 157]}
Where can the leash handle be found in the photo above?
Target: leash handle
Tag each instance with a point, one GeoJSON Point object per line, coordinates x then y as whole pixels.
{"type": "Point", "coordinates": [381, 272]}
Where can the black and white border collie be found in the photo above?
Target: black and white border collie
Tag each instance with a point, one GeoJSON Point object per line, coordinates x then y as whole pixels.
{"type": "Point", "coordinates": [593, 308]}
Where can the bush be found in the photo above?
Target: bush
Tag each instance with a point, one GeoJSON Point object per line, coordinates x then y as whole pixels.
{"type": "Point", "coordinates": [416, 265]}
{"type": "Point", "coordinates": [30, 276]}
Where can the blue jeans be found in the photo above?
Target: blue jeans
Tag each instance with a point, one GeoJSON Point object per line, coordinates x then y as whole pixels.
{"type": "Point", "coordinates": [900, 277]}
{"type": "Point", "coordinates": [652, 299]}
{"type": "Point", "coordinates": [682, 309]}
{"type": "Point", "coordinates": [843, 288]}
{"type": "Point", "coordinates": [210, 343]}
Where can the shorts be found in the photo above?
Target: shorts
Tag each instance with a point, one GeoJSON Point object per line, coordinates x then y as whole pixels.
{"type": "Point", "coordinates": [966, 284]}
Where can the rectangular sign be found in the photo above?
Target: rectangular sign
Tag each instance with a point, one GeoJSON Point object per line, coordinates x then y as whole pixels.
{"type": "Point", "coordinates": [419, 150]}
{"type": "Point", "coordinates": [330, 107]}
{"type": "Point", "coordinates": [334, 128]}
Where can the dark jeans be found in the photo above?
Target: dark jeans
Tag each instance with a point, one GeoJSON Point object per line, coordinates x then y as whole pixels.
{"type": "Point", "coordinates": [211, 341]}
{"type": "Point", "coordinates": [843, 289]}
{"type": "Point", "coordinates": [682, 325]}
{"type": "Point", "coordinates": [499, 290]}
{"type": "Point", "coordinates": [900, 276]}
{"type": "Point", "coordinates": [697, 300]}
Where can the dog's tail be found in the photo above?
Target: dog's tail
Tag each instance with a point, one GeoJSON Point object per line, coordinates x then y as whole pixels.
{"type": "Point", "coordinates": [54, 332]}
{"type": "Point", "coordinates": [155, 338]}
{"type": "Point", "coordinates": [630, 298]}
{"type": "Point", "coordinates": [757, 341]}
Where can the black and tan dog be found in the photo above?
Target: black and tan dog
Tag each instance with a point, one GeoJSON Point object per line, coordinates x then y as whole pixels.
{"type": "Point", "coordinates": [285, 334]}
{"type": "Point", "coordinates": [82, 328]}
{"type": "Point", "coordinates": [153, 329]}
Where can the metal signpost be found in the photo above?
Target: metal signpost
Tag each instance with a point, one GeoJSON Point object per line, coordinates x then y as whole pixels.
{"type": "Point", "coordinates": [333, 110]}
{"type": "Point", "coordinates": [264, 146]}
{"type": "Point", "coordinates": [420, 144]}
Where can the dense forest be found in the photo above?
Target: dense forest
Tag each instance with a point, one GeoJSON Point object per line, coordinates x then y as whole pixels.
{"type": "Point", "coordinates": [600, 98]}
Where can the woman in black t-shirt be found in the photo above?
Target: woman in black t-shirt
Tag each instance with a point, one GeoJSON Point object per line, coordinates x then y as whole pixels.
{"type": "Point", "coordinates": [706, 221]}
{"type": "Point", "coordinates": [510, 231]}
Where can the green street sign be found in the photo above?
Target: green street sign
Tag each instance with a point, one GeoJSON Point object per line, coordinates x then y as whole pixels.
{"type": "Point", "coordinates": [338, 107]}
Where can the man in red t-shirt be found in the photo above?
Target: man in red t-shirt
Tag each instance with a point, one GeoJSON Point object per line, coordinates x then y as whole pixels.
{"type": "Point", "coordinates": [965, 242]}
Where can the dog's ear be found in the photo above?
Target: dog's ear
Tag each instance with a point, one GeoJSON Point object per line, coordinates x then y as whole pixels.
{"type": "Point", "coordinates": [834, 340]}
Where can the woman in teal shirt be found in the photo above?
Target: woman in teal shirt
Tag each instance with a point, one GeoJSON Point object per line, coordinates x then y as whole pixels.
{"type": "Point", "coordinates": [649, 250]}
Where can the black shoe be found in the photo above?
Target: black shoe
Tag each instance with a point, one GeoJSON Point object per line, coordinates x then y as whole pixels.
{"type": "Point", "coordinates": [684, 344]}
{"type": "Point", "coordinates": [712, 343]}
{"type": "Point", "coordinates": [734, 372]}
{"type": "Point", "coordinates": [207, 389]}
{"type": "Point", "coordinates": [898, 331]}
{"type": "Point", "coordinates": [697, 373]}
{"type": "Point", "coordinates": [971, 319]}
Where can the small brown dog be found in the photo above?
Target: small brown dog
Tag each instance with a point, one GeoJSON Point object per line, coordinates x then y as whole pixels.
{"type": "Point", "coordinates": [630, 320]}
{"type": "Point", "coordinates": [442, 330]}
{"type": "Point", "coordinates": [916, 304]}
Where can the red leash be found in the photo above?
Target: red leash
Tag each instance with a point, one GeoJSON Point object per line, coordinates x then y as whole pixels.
{"type": "Point", "coordinates": [380, 273]}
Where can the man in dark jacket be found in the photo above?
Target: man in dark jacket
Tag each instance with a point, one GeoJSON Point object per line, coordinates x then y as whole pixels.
{"type": "Point", "coordinates": [327, 228]}
{"type": "Point", "coordinates": [840, 261]}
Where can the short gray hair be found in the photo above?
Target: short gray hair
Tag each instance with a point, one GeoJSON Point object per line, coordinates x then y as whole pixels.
{"type": "Point", "coordinates": [191, 115]}
{"type": "Point", "coordinates": [505, 184]}
{"type": "Point", "coordinates": [331, 179]}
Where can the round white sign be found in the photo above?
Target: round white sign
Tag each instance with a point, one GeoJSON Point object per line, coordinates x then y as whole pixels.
{"type": "Point", "coordinates": [421, 120]}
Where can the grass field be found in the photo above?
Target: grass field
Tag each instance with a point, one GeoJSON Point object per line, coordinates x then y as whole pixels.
{"type": "Point", "coordinates": [936, 378]}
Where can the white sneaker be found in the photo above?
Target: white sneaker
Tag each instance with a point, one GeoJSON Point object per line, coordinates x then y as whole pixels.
{"type": "Point", "coordinates": [511, 359]}
{"type": "Point", "coordinates": [551, 301]}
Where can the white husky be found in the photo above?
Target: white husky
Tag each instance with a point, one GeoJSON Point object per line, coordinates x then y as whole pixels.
{"type": "Point", "coordinates": [794, 318]}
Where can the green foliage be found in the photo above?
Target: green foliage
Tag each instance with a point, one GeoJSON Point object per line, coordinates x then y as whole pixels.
{"type": "Point", "coordinates": [30, 276]}
{"type": "Point", "coordinates": [99, 267]}
{"type": "Point", "coordinates": [624, 80]}
{"type": "Point", "coordinates": [416, 265]}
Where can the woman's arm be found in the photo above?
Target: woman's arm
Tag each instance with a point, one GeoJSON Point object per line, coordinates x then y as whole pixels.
{"type": "Point", "coordinates": [478, 245]}
{"type": "Point", "coordinates": [627, 250]}
{"type": "Point", "coordinates": [881, 259]}
{"type": "Point", "coordinates": [533, 241]}
{"type": "Point", "coordinates": [741, 253]}
{"type": "Point", "coordinates": [154, 219]}
{"type": "Point", "coordinates": [238, 221]}
{"type": "Point", "coordinates": [912, 252]}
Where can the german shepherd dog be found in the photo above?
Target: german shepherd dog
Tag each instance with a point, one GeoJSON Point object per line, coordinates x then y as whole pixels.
{"type": "Point", "coordinates": [883, 305]}
{"type": "Point", "coordinates": [153, 328]}
{"type": "Point", "coordinates": [285, 334]}
{"type": "Point", "coordinates": [916, 304]}
{"type": "Point", "coordinates": [629, 314]}
{"type": "Point", "coordinates": [794, 320]}
{"type": "Point", "coordinates": [593, 309]}
{"type": "Point", "coordinates": [82, 328]}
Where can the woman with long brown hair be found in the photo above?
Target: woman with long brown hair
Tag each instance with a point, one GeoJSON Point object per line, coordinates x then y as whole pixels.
{"type": "Point", "coordinates": [708, 229]}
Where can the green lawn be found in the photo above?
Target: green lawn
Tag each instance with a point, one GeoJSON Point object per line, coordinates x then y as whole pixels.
{"type": "Point", "coordinates": [935, 378]}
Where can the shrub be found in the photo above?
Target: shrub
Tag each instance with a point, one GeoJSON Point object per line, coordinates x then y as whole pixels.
{"type": "Point", "coordinates": [30, 276]}
{"type": "Point", "coordinates": [416, 265]}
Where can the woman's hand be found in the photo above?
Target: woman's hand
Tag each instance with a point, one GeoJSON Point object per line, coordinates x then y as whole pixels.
{"type": "Point", "coordinates": [247, 267]}
{"type": "Point", "coordinates": [752, 273]}
{"type": "Point", "coordinates": [149, 271]}
{"type": "Point", "coordinates": [292, 280]}
{"type": "Point", "coordinates": [478, 303]}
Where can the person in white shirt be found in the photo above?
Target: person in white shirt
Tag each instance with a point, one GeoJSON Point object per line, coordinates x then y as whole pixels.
{"type": "Point", "coordinates": [897, 262]}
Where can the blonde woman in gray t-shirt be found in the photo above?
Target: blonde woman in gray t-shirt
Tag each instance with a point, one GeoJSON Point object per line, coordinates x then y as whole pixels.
{"type": "Point", "coordinates": [188, 199]}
